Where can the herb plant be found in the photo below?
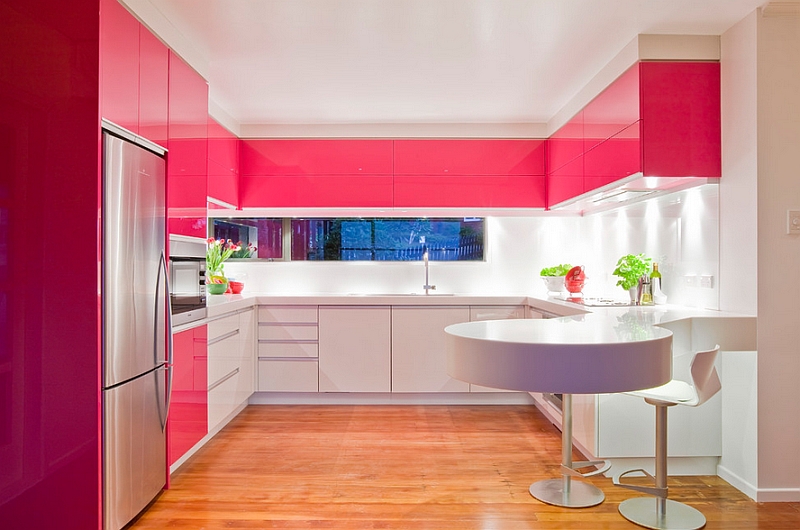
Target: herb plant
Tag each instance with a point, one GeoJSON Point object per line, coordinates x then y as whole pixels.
{"type": "Point", "coordinates": [630, 268]}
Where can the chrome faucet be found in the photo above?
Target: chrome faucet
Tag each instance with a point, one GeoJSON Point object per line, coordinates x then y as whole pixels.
{"type": "Point", "coordinates": [427, 286]}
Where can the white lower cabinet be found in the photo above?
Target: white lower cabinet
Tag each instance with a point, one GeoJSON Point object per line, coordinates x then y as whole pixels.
{"type": "Point", "coordinates": [479, 313]}
{"type": "Point", "coordinates": [230, 365]}
{"type": "Point", "coordinates": [355, 352]}
{"type": "Point", "coordinates": [288, 349]}
{"type": "Point", "coordinates": [419, 348]}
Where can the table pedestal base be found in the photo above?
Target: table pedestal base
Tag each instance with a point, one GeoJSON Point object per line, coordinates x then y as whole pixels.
{"type": "Point", "coordinates": [574, 495]}
{"type": "Point", "coordinates": [563, 491]}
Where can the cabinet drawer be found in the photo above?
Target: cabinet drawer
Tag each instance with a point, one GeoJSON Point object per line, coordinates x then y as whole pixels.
{"type": "Point", "coordinates": [298, 314]}
{"type": "Point", "coordinates": [221, 327]}
{"type": "Point", "coordinates": [288, 349]}
{"type": "Point", "coordinates": [495, 312]}
{"type": "Point", "coordinates": [219, 366]}
{"type": "Point", "coordinates": [288, 376]}
{"type": "Point", "coordinates": [223, 398]}
{"type": "Point", "coordinates": [287, 332]}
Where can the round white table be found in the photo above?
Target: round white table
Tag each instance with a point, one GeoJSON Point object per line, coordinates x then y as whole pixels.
{"type": "Point", "coordinates": [585, 354]}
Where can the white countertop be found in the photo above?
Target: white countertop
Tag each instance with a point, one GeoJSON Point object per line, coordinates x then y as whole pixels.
{"type": "Point", "coordinates": [740, 327]}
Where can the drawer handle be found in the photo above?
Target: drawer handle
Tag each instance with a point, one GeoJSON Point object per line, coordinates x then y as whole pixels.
{"type": "Point", "coordinates": [223, 337]}
{"type": "Point", "coordinates": [215, 385]}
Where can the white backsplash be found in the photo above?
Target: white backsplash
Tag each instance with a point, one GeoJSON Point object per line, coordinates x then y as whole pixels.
{"type": "Point", "coordinates": [680, 231]}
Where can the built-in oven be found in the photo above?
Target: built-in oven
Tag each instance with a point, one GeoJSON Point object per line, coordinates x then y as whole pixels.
{"type": "Point", "coordinates": [187, 271]}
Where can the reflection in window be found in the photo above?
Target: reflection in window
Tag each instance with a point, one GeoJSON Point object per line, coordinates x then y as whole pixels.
{"type": "Point", "coordinates": [265, 234]}
{"type": "Point", "coordinates": [356, 239]}
{"type": "Point", "coordinates": [387, 239]}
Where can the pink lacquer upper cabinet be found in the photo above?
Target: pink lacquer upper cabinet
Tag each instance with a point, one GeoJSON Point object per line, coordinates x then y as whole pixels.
{"type": "Point", "coordinates": [223, 164]}
{"type": "Point", "coordinates": [681, 124]}
{"type": "Point", "coordinates": [153, 87]}
{"type": "Point", "coordinates": [613, 159]}
{"type": "Point", "coordinates": [316, 191]}
{"type": "Point", "coordinates": [566, 144]}
{"type": "Point", "coordinates": [469, 157]}
{"type": "Point", "coordinates": [614, 109]}
{"type": "Point", "coordinates": [187, 160]}
{"type": "Point", "coordinates": [475, 191]}
{"type": "Point", "coordinates": [316, 157]}
{"type": "Point", "coordinates": [119, 65]}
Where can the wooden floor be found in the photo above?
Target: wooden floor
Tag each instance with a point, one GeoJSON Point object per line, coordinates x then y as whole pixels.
{"type": "Point", "coordinates": [406, 467]}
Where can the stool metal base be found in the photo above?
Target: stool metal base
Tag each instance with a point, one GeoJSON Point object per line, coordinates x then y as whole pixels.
{"type": "Point", "coordinates": [677, 516]}
{"type": "Point", "coordinates": [578, 495]}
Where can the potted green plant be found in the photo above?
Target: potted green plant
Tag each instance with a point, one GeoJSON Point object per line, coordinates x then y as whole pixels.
{"type": "Point", "coordinates": [553, 277]}
{"type": "Point", "coordinates": [629, 269]}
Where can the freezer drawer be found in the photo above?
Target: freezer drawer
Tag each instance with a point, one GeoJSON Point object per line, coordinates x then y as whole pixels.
{"type": "Point", "coordinates": [134, 447]}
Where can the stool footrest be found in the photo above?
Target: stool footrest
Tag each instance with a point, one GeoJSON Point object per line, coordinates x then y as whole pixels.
{"type": "Point", "coordinates": [650, 490]}
{"type": "Point", "coordinates": [604, 465]}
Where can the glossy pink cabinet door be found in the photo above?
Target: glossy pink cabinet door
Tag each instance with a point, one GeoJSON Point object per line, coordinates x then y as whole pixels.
{"type": "Point", "coordinates": [614, 109]}
{"type": "Point", "coordinates": [613, 159]}
{"type": "Point", "coordinates": [119, 65]}
{"type": "Point", "coordinates": [223, 164]}
{"type": "Point", "coordinates": [317, 191]}
{"type": "Point", "coordinates": [316, 157]}
{"type": "Point", "coordinates": [566, 144]}
{"type": "Point", "coordinates": [153, 87]}
{"type": "Point", "coordinates": [188, 416]}
{"type": "Point", "coordinates": [681, 123]}
{"type": "Point", "coordinates": [565, 182]}
{"type": "Point", "coordinates": [432, 191]}
{"type": "Point", "coordinates": [187, 161]}
{"type": "Point", "coordinates": [49, 333]}
{"type": "Point", "coordinates": [469, 157]}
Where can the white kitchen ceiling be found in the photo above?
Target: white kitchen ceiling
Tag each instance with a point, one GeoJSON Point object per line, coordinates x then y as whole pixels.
{"type": "Point", "coordinates": [272, 62]}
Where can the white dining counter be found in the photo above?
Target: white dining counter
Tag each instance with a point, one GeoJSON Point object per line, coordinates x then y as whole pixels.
{"type": "Point", "coordinates": [582, 354]}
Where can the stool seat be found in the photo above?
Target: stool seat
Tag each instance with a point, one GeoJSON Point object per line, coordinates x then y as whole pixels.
{"type": "Point", "coordinates": [673, 393]}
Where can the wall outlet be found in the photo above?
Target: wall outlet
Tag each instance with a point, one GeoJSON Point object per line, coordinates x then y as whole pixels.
{"type": "Point", "coordinates": [690, 280]}
{"type": "Point", "coordinates": [707, 281]}
{"type": "Point", "coordinates": [793, 221]}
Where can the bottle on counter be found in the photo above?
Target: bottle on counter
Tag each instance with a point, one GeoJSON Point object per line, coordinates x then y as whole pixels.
{"type": "Point", "coordinates": [655, 278]}
{"type": "Point", "coordinates": [655, 286]}
{"type": "Point", "coordinates": [645, 291]}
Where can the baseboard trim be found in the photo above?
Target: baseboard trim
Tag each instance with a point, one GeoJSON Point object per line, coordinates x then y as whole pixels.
{"type": "Point", "coordinates": [737, 482]}
{"type": "Point", "coordinates": [755, 493]}
{"type": "Point", "coordinates": [366, 398]}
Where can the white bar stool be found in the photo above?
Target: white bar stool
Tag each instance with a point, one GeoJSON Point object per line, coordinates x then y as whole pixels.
{"type": "Point", "coordinates": [660, 513]}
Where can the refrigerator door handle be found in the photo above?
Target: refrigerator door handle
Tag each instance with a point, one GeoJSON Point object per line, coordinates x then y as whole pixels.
{"type": "Point", "coordinates": [163, 305]}
{"type": "Point", "coordinates": [169, 331]}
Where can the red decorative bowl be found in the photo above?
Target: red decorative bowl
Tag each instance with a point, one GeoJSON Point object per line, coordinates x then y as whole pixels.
{"type": "Point", "coordinates": [235, 287]}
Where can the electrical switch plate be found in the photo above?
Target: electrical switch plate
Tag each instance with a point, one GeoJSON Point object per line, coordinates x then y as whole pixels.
{"type": "Point", "coordinates": [706, 281]}
{"type": "Point", "coordinates": [793, 221]}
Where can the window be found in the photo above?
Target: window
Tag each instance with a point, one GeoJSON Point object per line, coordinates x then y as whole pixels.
{"type": "Point", "coordinates": [358, 239]}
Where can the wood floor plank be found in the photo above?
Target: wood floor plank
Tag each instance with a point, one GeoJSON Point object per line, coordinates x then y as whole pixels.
{"type": "Point", "coordinates": [406, 467]}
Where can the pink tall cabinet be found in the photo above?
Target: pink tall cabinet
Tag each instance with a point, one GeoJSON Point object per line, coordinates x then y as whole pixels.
{"type": "Point", "coordinates": [49, 304]}
{"type": "Point", "coordinates": [65, 65]}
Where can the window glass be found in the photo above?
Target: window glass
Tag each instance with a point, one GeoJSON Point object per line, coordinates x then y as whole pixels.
{"type": "Point", "coordinates": [388, 239]}
{"type": "Point", "coordinates": [359, 239]}
{"type": "Point", "coordinates": [264, 234]}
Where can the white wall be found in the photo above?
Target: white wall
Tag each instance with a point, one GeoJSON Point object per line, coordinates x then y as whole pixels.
{"type": "Point", "coordinates": [778, 132]}
{"type": "Point", "coordinates": [679, 230]}
{"type": "Point", "coordinates": [738, 250]}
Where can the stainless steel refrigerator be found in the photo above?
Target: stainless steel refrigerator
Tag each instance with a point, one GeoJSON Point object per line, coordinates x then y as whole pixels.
{"type": "Point", "coordinates": [136, 348]}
